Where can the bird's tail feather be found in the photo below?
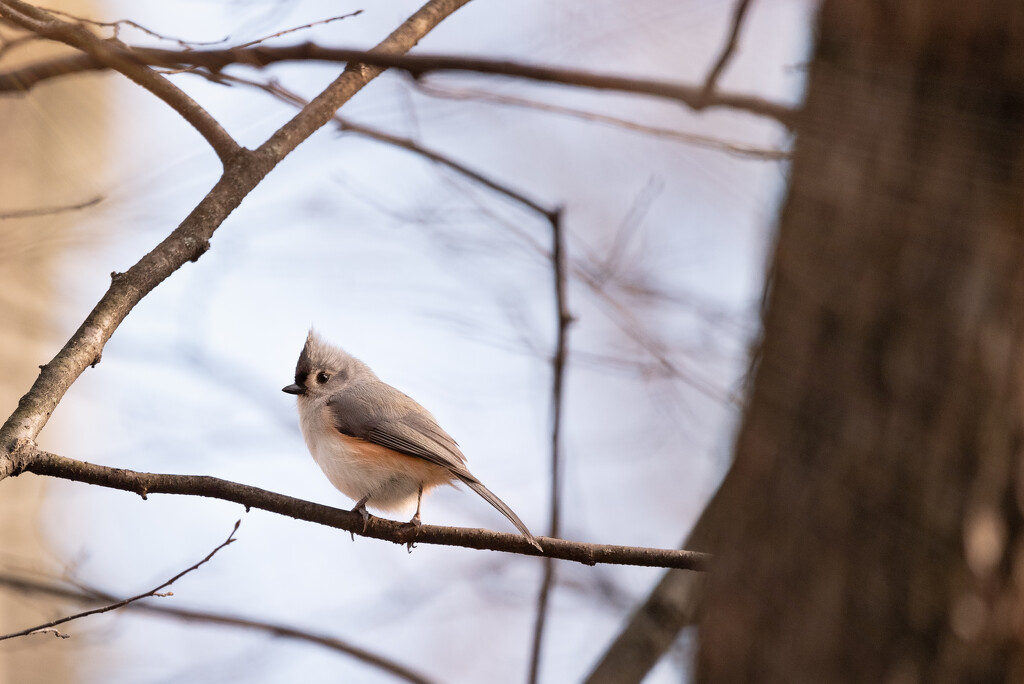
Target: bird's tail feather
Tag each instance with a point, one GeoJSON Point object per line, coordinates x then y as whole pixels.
{"type": "Point", "coordinates": [492, 498]}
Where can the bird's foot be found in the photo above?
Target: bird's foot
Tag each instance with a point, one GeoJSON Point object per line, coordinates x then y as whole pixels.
{"type": "Point", "coordinates": [415, 524]}
{"type": "Point", "coordinates": [360, 508]}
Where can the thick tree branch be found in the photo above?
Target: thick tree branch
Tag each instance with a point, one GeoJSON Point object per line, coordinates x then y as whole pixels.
{"type": "Point", "coordinates": [242, 172]}
{"type": "Point", "coordinates": [32, 460]}
{"type": "Point", "coordinates": [216, 60]}
{"type": "Point", "coordinates": [49, 626]}
{"type": "Point", "coordinates": [88, 595]}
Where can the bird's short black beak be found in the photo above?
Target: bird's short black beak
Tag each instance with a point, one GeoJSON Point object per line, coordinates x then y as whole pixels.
{"type": "Point", "coordinates": [294, 388]}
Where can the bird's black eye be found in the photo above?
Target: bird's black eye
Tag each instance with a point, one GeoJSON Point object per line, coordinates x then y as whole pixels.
{"type": "Point", "coordinates": [322, 377]}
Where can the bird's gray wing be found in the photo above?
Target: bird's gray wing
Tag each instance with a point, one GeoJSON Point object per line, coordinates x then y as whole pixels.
{"type": "Point", "coordinates": [382, 415]}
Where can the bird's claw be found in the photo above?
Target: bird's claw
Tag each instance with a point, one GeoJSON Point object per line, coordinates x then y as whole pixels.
{"type": "Point", "coordinates": [360, 508]}
{"type": "Point", "coordinates": [415, 524]}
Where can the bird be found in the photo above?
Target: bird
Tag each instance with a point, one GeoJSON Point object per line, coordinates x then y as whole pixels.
{"type": "Point", "coordinates": [375, 444]}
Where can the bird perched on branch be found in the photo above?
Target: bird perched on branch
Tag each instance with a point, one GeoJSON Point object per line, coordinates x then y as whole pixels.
{"type": "Point", "coordinates": [374, 443]}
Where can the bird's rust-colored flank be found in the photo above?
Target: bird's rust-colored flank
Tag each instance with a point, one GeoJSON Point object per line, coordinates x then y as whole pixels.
{"type": "Point", "coordinates": [374, 457]}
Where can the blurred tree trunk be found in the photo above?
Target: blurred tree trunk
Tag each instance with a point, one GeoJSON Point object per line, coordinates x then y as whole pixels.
{"type": "Point", "coordinates": [872, 524]}
{"type": "Point", "coordinates": [53, 149]}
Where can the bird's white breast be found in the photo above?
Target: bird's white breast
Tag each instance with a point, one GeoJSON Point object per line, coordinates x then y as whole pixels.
{"type": "Point", "coordinates": [349, 469]}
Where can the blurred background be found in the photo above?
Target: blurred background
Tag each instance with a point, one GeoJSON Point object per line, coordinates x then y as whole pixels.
{"type": "Point", "coordinates": [441, 285]}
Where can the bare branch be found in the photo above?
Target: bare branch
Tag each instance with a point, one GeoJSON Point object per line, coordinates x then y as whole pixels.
{"type": "Point", "coordinates": [560, 270]}
{"type": "Point", "coordinates": [41, 23]}
{"type": "Point", "coordinates": [89, 595]}
{"type": "Point", "coordinates": [218, 59]}
{"type": "Point", "coordinates": [49, 211]}
{"type": "Point", "coordinates": [23, 79]}
{"type": "Point", "coordinates": [300, 28]}
{"type": "Point", "coordinates": [245, 170]}
{"type": "Point", "coordinates": [48, 627]}
{"type": "Point", "coordinates": [733, 148]}
{"type": "Point", "coordinates": [739, 13]}
{"type": "Point", "coordinates": [39, 462]}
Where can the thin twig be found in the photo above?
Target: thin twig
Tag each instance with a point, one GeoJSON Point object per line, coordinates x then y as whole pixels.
{"type": "Point", "coordinates": [120, 604]}
{"type": "Point", "coordinates": [91, 595]}
{"type": "Point", "coordinates": [626, 319]}
{"type": "Point", "coordinates": [300, 28]}
{"type": "Point", "coordinates": [739, 12]}
{"type": "Point", "coordinates": [560, 271]}
{"type": "Point", "coordinates": [259, 56]}
{"type": "Point", "coordinates": [30, 459]}
{"type": "Point", "coordinates": [606, 269]}
{"type": "Point", "coordinates": [708, 142]}
{"type": "Point", "coordinates": [49, 211]}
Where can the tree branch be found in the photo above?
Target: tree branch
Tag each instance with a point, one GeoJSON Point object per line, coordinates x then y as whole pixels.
{"type": "Point", "coordinates": [559, 269]}
{"type": "Point", "coordinates": [48, 211]}
{"type": "Point", "coordinates": [120, 604]}
{"type": "Point", "coordinates": [89, 595]}
{"type": "Point", "coordinates": [216, 60]}
{"type": "Point", "coordinates": [23, 79]}
{"type": "Point", "coordinates": [32, 460]}
{"type": "Point", "coordinates": [739, 13]}
{"type": "Point", "coordinates": [733, 148]}
{"type": "Point", "coordinates": [242, 172]}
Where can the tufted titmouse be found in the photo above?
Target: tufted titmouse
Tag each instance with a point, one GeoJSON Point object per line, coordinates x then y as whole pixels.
{"type": "Point", "coordinates": [374, 443]}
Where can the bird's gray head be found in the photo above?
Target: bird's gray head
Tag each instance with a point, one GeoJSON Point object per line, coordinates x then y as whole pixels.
{"type": "Point", "coordinates": [323, 369]}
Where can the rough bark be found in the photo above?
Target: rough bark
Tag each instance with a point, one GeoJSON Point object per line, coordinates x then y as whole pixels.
{"type": "Point", "coordinates": [874, 527]}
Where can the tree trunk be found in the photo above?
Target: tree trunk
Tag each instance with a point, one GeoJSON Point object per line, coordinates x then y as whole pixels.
{"type": "Point", "coordinates": [874, 509]}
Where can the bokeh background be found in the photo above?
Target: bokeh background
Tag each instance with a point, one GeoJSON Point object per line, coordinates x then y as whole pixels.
{"type": "Point", "coordinates": [439, 284]}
